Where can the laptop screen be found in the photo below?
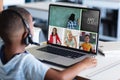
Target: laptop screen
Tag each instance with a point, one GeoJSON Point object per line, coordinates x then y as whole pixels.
{"type": "Point", "coordinates": [74, 27]}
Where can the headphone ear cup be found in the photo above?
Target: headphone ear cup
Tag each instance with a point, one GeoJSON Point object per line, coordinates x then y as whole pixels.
{"type": "Point", "coordinates": [26, 40]}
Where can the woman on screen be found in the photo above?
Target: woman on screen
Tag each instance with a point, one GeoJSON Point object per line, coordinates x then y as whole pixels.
{"type": "Point", "coordinates": [54, 38]}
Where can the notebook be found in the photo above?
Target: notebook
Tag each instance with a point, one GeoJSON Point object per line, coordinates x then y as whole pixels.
{"type": "Point", "coordinates": [109, 49]}
{"type": "Point", "coordinates": [72, 35]}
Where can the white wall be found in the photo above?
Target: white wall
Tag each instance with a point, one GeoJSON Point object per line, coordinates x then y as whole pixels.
{"type": "Point", "coordinates": [13, 2]}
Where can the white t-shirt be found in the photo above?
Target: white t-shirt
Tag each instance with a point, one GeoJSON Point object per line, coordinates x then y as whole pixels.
{"type": "Point", "coordinates": [54, 39]}
{"type": "Point", "coordinates": [23, 67]}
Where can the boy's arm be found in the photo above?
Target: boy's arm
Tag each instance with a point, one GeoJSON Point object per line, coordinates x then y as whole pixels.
{"type": "Point", "coordinates": [71, 72]}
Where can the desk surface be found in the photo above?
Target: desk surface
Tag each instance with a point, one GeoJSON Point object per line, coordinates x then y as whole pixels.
{"type": "Point", "coordinates": [108, 68]}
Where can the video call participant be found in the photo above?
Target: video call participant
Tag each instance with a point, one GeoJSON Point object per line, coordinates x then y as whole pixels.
{"type": "Point", "coordinates": [54, 38]}
{"type": "Point", "coordinates": [72, 23]}
{"type": "Point", "coordinates": [19, 64]}
{"type": "Point", "coordinates": [86, 46]}
{"type": "Point", "coordinates": [70, 40]}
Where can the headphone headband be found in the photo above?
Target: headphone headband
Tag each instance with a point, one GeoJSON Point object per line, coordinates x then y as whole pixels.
{"type": "Point", "coordinates": [23, 20]}
{"type": "Point", "coordinates": [28, 40]}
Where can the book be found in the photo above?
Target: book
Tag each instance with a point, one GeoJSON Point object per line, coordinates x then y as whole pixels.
{"type": "Point", "coordinates": [109, 49]}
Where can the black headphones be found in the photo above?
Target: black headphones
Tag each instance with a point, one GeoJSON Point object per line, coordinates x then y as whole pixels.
{"type": "Point", "coordinates": [28, 39]}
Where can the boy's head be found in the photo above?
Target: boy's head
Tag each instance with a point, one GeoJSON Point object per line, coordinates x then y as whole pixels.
{"type": "Point", "coordinates": [12, 28]}
{"type": "Point", "coordinates": [87, 38]}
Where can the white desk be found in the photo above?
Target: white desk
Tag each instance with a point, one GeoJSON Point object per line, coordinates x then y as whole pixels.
{"type": "Point", "coordinates": [106, 4]}
{"type": "Point", "coordinates": [108, 68]}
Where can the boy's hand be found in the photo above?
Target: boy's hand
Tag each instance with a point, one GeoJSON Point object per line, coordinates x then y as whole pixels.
{"type": "Point", "coordinates": [70, 73]}
{"type": "Point", "coordinates": [88, 62]}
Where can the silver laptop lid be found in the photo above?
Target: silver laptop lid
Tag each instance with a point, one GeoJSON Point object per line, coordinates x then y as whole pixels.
{"type": "Point", "coordinates": [74, 28]}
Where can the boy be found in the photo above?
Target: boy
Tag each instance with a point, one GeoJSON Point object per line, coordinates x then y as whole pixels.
{"type": "Point", "coordinates": [18, 64]}
{"type": "Point", "coordinates": [86, 45]}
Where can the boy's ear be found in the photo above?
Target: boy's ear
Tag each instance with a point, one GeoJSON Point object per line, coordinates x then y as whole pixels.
{"type": "Point", "coordinates": [24, 37]}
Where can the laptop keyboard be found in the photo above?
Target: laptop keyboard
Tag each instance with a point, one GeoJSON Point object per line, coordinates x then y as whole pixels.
{"type": "Point", "coordinates": [61, 52]}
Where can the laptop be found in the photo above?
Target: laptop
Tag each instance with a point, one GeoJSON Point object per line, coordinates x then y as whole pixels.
{"type": "Point", "coordinates": [72, 35]}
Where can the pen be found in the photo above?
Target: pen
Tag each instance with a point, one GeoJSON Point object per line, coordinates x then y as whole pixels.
{"type": "Point", "coordinates": [101, 53]}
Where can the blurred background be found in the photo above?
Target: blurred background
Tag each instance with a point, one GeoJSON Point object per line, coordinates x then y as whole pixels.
{"type": "Point", "coordinates": [109, 23]}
